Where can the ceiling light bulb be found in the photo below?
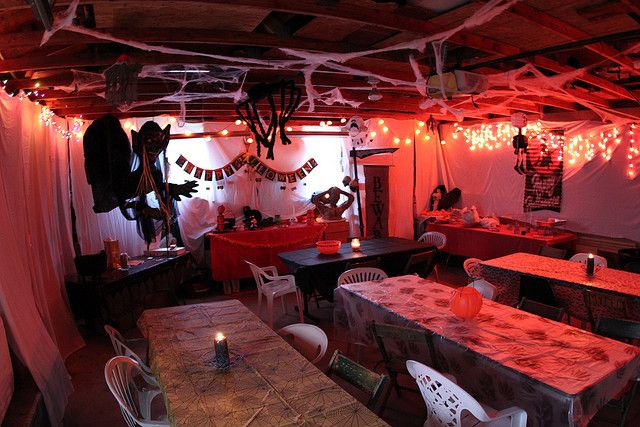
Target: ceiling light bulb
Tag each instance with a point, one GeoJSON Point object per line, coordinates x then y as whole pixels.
{"type": "Point", "coordinates": [238, 122]}
{"type": "Point", "coordinates": [380, 122]}
{"type": "Point", "coordinates": [224, 132]}
{"type": "Point", "coordinates": [374, 94]}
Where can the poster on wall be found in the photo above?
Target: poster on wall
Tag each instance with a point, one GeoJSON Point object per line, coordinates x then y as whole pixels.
{"type": "Point", "coordinates": [377, 201]}
{"type": "Point", "coordinates": [543, 182]}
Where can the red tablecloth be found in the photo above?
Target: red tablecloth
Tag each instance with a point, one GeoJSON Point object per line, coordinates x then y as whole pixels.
{"type": "Point", "coordinates": [261, 247]}
{"type": "Point", "coordinates": [481, 243]}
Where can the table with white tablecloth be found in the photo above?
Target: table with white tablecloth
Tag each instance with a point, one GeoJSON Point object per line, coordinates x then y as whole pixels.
{"type": "Point", "coordinates": [505, 357]}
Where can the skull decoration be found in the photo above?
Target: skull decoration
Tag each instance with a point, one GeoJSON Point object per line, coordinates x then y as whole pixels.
{"type": "Point", "coordinates": [357, 130]}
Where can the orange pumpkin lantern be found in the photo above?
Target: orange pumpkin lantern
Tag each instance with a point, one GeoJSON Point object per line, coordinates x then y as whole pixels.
{"type": "Point", "coordinates": [466, 302]}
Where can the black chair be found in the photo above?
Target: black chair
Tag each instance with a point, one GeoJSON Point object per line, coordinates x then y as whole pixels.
{"type": "Point", "coordinates": [358, 376]}
{"type": "Point", "coordinates": [551, 252]}
{"type": "Point", "coordinates": [375, 263]}
{"type": "Point", "coordinates": [540, 309]}
{"type": "Point", "coordinates": [633, 267]}
{"type": "Point", "coordinates": [421, 263]}
{"type": "Point", "coordinates": [599, 304]}
{"type": "Point", "coordinates": [627, 331]}
{"type": "Point", "coordinates": [90, 267]}
{"type": "Point", "coordinates": [537, 289]}
{"type": "Point", "coordinates": [408, 340]}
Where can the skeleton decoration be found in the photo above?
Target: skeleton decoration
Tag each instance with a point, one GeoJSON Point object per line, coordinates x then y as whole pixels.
{"type": "Point", "coordinates": [121, 82]}
{"type": "Point", "coordinates": [327, 203]}
{"type": "Point", "coordinates": [135, 184]}
{"type": "Point", "coordinates": [357, 130]}
{"type": "Point", "coordinates": [265, 130]}
{"type": "Point", "coordinates": [519, 120]}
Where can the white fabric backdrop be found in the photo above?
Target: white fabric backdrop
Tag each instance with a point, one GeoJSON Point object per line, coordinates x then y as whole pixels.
{"type": "Point", "coordinates": [36, 242]}
{"type": "Point", "coordinates": [597, 197]}
{"type": "Point", "coordinates": [6, 373]}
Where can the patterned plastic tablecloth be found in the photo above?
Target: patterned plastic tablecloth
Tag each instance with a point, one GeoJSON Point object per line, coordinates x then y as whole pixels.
{"type": "Point", "coordinates": [504, 357]}
{"type": "Point", "coordinates": [568, 280]}
{"type": "Point", "coordinates": [270, 384]}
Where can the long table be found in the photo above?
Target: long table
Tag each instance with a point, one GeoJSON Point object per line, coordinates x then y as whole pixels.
{"type": "Point", "coordinates": [117, 295]}
{"type": "Point", "coordinates": [314, 270]}
{"type": "Point", "coordinates": [269, 384]}
{"type": "Point", "coordinates": [261, 247]}
{"type": "Point", "coordinates": [478, 242]}
{"type": "Point", "coordinates": [569, 281]}
{"type": "Point", "coordinates": [504, 357]}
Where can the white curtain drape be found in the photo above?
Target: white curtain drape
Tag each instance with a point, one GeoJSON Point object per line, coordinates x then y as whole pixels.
{"type": "Point", "coordinates": [6, 373]}
{"type": "Point", "coordinates": [597, 196]}
{"type": "Point", "coordinates": [36, 248]}
{"type": "Point", "coordinates": [198, 215]}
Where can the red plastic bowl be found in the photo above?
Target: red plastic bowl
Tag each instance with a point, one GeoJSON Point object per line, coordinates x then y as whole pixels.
{"type": "Point", "coordinates": [328, 247]}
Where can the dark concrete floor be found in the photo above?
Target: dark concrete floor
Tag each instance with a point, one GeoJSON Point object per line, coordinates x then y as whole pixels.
{"type": "Point", "coordinates": [92, 403]}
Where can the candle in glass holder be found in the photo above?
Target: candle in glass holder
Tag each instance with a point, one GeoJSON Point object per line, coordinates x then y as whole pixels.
{"type": "Point", "coordinates": [222, 350]}
{"type": "Point", "coordinates": [590, 265]}
{"type": "Point", "coordinates": [355, 244]}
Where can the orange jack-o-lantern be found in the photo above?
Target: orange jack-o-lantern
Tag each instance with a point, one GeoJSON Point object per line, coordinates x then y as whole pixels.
{"type": "Point", "coordinates": [466, 302]}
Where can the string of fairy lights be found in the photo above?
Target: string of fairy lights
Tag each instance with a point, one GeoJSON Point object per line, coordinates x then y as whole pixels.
{"type": "Point", "coordinates": [587, 146]}
{"type": "Point", "coordinates": [491, 136]}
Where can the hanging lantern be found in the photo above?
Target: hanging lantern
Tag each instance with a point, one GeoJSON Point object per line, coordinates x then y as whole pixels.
{"type": "Point", "coordinates": [466, 302]}
{"type": "Point", "coordinates": [121, 82]}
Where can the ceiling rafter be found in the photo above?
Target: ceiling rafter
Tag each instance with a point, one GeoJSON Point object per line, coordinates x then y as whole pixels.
{"type": "Point", "coordinates": [572, 33]}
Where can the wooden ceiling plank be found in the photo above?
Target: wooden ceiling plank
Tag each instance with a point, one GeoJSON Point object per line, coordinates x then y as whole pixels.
{"type": "Point", "coordinates": [572, 33]}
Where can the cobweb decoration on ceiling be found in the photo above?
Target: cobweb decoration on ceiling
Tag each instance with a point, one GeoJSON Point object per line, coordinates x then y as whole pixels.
{"type": "Point", "coordinates": [527, 80]}
{"type": "Point", "coordinates": [121, 82]}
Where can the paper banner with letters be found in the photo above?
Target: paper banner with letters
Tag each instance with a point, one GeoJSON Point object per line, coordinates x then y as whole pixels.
{"type": "Point", "coordinates": [248, 160]}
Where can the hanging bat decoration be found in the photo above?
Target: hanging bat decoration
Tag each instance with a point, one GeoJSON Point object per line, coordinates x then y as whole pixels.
{"type": "Point", "coordinates": [265, 130]}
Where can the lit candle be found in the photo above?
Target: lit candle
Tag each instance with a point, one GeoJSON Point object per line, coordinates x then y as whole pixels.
{"type": "Point", "coordinates": [222, 351]}
{"type": "Point", "coordinates": [355, 244]}
{"type": "Point", "coordinates": [590, 265]}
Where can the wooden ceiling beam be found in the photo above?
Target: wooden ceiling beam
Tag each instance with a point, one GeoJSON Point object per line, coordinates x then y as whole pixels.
{"type": "Point", "coordinates": [31, 39]}
{"type": "Point", "coordinates": [558, 26]}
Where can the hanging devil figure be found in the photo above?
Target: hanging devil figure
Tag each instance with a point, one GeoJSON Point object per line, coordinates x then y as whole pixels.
{"type": "Point", "coordinates": [108, 167]}
{"type": "Point", "coordinates": [519, 120]}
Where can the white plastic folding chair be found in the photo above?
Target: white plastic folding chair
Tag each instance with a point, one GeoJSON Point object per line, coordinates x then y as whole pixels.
{"type": "Point", "coordinates": [449, 405]}
{"type": "Point", "coordinates": [582, 257]}
{"type": "Point", "coordinates": [361, 274]}
{"type": "Point", "coordinates": [271, 285]}
{"type": "Point", "coordinates": [309, 340]}
{"type": "Point", "coordinates": [437, 239]}
{"type": "Point", "coordinates": [472, 267]}
{"type": "Point", "coordinates": [147, 394]}
{"type": "Point", "coordinates": [486, 289]}
{"type": "Point", "coordinates": [120, 373]}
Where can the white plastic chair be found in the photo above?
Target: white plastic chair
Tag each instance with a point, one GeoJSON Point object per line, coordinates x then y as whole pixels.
{"type": "Point", "coordinates": [272, 286]}
{"type": "Point", "coordinates": [472, 267]}
{"type": "Point", "coordinates": [146, 395]}
{"type": "Point", "coordinates": [446, 401]}
{"type": "Point", "coordinates": [437, 239]}
{"type": "Point", "coordinates": [119, 373]}
{"type": "Point", "coordinates": [582, 257]}
{"type": "Point", "coordinates": [361, 274]}
{"type": "Point", "coordinates": [309, 340]}
{"type": "Point", "coordinates": [486, 289]}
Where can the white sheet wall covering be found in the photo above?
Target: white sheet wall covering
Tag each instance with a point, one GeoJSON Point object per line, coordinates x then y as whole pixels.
{"type": "Point", "coordinates": [597, 197]}
{"type": "Point", "coordinates": [39, 326]}
{"type": "Point", "coordinates": [6, 373]}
